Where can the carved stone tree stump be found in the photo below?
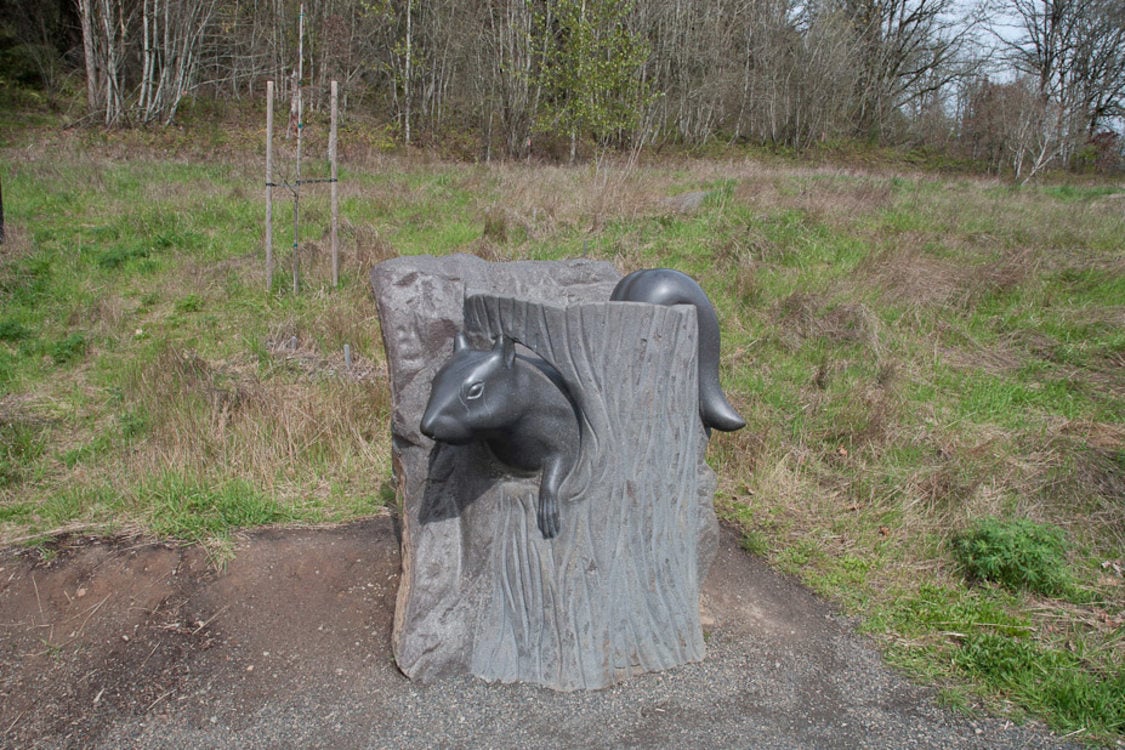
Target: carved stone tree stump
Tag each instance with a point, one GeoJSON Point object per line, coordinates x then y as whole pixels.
{"type": "Point", "coordinates": [616, 593]}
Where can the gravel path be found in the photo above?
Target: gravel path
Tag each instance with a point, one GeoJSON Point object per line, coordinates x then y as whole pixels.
{"type": "Point", "coordinates": [296, 654]}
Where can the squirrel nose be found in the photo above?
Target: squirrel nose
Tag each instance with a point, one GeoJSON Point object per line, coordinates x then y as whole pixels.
{"type": "Point", "coordinates": [428, 424]}
{"type": "Point", "coordinates": [431, 422]}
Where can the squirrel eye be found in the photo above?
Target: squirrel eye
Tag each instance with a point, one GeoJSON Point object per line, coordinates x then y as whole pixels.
{"type": "Point", "coordinates": [476, 390]}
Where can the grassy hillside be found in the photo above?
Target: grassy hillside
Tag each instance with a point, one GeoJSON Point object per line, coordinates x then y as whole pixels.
{"type": "Point", "coordinates": [932, 368]}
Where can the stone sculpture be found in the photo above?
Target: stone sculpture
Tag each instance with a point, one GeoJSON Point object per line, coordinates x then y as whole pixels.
{"type": "Point", "coordinates": [496, 581]}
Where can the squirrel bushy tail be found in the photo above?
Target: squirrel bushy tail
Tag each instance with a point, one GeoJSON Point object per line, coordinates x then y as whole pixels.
{"type": "Point", "coordinates": [666, 286]}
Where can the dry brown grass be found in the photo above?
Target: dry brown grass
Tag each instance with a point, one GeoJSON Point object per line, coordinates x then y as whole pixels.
{"type": "Point", "coordinates": [1077, 465]}
{"type": "Point", "coordinates": [103, 316]}
{"type": "Point", "coordinates": [804, 315]}
{"type": "Point", "coordinates": [834, 197]}
{"type": "Point", "coordinates": [545, 200]}
{"type": "Point", "coordinates": [293, 435]}
{"type": "Point", "coordinates": [908, 276]}
{"type": "Point", "coordinates": [17, 243]}
{"type": "Point", "coordinates": [1060, 479]}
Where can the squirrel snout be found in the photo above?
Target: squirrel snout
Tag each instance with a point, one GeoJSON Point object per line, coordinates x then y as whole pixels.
{"type": "Point", "coordinates": [429, 423]}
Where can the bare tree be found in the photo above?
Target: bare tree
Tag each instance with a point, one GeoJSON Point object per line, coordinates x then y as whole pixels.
{"type": "Point", "coordinates": [172, 34]}
{"type": "Point", "coordinates": [1075, 50]}
{"type": "Point", "coordinates": [693, 63]}
{"type": "Point", "coordinates": [823, 77]}
{"type": "Point", "coordinates": [792, 72]}
{"type": "Point", "coordinates": [105, 34]}
{"type": "Point", "coordinates": [905, 51]}
{"type": "Point", "coordinates": [166, 36]}
{"type": "Point", "coordinates": [1101, 61]}
{"type": "Point", "coordinates": [1010, 126]}
{"type": "Point", "coordinates": [504, 57]}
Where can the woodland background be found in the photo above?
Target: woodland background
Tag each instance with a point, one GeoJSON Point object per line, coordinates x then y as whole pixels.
{"type": "Point", "coordinates": [1011, 87]}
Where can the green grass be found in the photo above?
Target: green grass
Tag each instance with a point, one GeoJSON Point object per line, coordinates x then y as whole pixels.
{"type": "Point", "coordinates": [189, 508]}
{"type": "Point", "coordinates": [912, 353]}
{"type": "Point", "coordinates": [980, 647]}
{"type": "Point", "coordinates": [21, 446]}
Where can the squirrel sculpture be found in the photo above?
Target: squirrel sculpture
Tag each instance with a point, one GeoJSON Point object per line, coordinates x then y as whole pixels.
{"type": "Point", "coordinates": [520, 407]}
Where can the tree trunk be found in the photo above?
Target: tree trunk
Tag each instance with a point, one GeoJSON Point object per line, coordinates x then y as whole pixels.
{"type": "Point", "coordinates": [86, 11]}
{"type": "Point", "coordinates": [617, 593]}
{"type": "Point", "coordinates": [408, 76]}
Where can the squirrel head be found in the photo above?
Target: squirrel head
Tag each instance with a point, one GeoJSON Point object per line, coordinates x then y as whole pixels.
{"type": "Point", "coordinates": [470, 392]}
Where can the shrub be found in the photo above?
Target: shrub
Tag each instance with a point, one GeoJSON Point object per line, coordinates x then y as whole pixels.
{"type": "Point", "coordinates": [1018, 554]}
{"type": "Point", "coordinates": [67, 350]}
{"type": "Point", "coordinates": [10, 330]}
{"type": "Point", "coordinates": [189, 304]}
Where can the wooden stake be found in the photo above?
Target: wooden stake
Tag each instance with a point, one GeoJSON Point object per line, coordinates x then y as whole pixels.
{"type": "Point", "coordinates": [335, 193]}
{"type": "Point", "coordinates": [300, 128]}
{"type": "Point", "coordinates": [269, 185]}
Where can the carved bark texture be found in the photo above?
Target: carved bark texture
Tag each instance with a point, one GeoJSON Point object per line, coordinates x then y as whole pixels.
{"type": "Point", "coordinates": [617, 592]}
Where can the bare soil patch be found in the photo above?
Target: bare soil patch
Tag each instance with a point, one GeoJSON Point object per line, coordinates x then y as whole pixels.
{"type": "Point", "coordinates": [105, 631]}
{"type": "Point", "coordinates": [114, 643]}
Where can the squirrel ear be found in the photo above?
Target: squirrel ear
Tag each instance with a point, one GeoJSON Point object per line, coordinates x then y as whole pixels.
{"type": "Point", "coordinates": [460, 342]}
{"type": "Point", "coordinates": [506, 347]}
